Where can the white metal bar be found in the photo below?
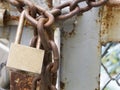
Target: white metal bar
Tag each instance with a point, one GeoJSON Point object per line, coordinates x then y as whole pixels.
{"type": "Point", "coordinates": [57, 37]}
{"type": "Point", "coordinates": [57, 41]}
{"type": "Point", "coordinates": [80, 67]}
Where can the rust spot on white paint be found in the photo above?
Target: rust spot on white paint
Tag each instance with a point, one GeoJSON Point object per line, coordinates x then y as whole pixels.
{"type": "Point", "coordinates": [62, 85]}
{"type": "Point", "coordinates": [71, 28]}
{"type": "Point", "coordinates": [69, 34]}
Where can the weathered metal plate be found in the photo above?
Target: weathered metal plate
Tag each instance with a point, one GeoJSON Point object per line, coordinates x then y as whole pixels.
{"type": "Point", "coordinates": [110, 24]}
{"type": "Point", "coordinates": [25, 58]}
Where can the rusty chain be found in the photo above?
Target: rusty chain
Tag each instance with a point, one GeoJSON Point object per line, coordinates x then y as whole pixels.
{"type": "Point", "coordinates": [50, 69]}
{"type": "Point", "coordinates": [42, 20]}
{"type": "Point", "coordinates": [56, 11]}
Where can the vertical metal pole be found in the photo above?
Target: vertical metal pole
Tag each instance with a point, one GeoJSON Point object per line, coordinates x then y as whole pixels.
{"type": "Point", "coordinates": [80, 67]}
{"type": "Point", "coordinates": [57, 41]}
{"type": "Point", "coordinates": [57, 38]}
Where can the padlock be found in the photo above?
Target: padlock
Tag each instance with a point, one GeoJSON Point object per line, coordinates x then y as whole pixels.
{"type": "Point", "coordinates": [22, 57]}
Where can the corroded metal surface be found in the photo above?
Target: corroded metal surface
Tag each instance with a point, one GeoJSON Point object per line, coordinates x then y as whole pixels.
{"type": "Point", "coordinates": [110, 24]}
{"type": "Point", "coordinates": [21, 81]}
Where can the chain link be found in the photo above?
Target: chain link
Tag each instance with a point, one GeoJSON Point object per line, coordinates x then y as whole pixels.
{"type": "Point", "coordinates": [97, 4]}
{"type": "Point", "coordinates": [44, 39]}
{"type": "Point", "coordinates": [53, 67]}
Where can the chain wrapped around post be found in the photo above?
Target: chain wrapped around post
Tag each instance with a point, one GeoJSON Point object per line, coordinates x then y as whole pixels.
{"type": "Point", "coordinates": [42, 20]}
{"type": "Point", "coordinates": [49, 68]}
{"type": "Point", "coordinates": [56, 11]}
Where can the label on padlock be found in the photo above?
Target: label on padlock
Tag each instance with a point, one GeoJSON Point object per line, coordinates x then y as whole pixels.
{"type": "Point", "coordinates": [25, 58]}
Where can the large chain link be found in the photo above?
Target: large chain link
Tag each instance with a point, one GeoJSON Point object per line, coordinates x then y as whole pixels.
{"type": "Point", "coordinates": [42, 20]}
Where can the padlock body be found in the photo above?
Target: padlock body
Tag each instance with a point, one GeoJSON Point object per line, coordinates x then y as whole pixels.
{"type": "Point", "coordinates": [25, 58]}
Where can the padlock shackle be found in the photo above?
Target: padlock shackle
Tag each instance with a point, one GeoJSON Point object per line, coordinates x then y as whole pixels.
{"type": "Point", "coordinates": [38, 43]}
{"type": "Point", "coordinates": [20, 28]}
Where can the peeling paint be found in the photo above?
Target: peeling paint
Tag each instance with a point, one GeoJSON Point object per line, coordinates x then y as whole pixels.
{"type": "Point", "coordinates": [110, 24]}
{"type": "Point", "coordinates": [98, 81]}
{"type": "Point", "coordinates": [98, 85]}
{"type": "Point", "coordinates": [69, 34]}
{"type": "Point", "coordinates": [62, 85]}
{"type": "Point", "coordinates": [69, 27]}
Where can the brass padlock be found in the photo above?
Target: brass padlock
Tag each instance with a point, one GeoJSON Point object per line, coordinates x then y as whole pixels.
{"type": "Point", "coordinates": [23, 57]}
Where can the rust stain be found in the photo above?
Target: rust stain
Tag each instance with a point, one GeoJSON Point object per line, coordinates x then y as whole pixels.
{"type": "Point", "coordinates": [16, 18]}
{"type": "Point", "coordinates": [71, 33]}
{"type": "Point", "coordinates": [21, 81]}
{"type": "Point", "coordinates": [49, 3]}
{"type": "Point", "coordinates": [99, 75]}
{"type": "Point", "coordinates": [98, 83]}
{"type": "Point", "coordinates": [109, 20]}
{"type": "Point", "coordinates": [97, 89]}
{"type": "Point", "coordinates": [99, 49]}
{"type": "Point", "coordinates": [62, 85]}
{"type": "Point", "coordinates": [6, 17]}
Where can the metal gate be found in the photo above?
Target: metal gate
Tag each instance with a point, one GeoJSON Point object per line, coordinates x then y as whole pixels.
{"type": "Point", "coordinates": [81, 38]}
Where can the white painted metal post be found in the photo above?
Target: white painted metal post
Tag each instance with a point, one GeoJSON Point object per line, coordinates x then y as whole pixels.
{"type": "Point", "coordinates": [80, 65]}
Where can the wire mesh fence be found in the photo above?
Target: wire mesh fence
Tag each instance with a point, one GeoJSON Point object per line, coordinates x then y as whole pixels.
{"type": "Point", "coordinates": [116, 79]}
{"type": "Point", "coordinates": [113, 76]}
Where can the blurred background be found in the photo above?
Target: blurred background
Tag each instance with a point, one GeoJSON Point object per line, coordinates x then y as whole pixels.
{"type": "Point", "coordinates": [110, 67]}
